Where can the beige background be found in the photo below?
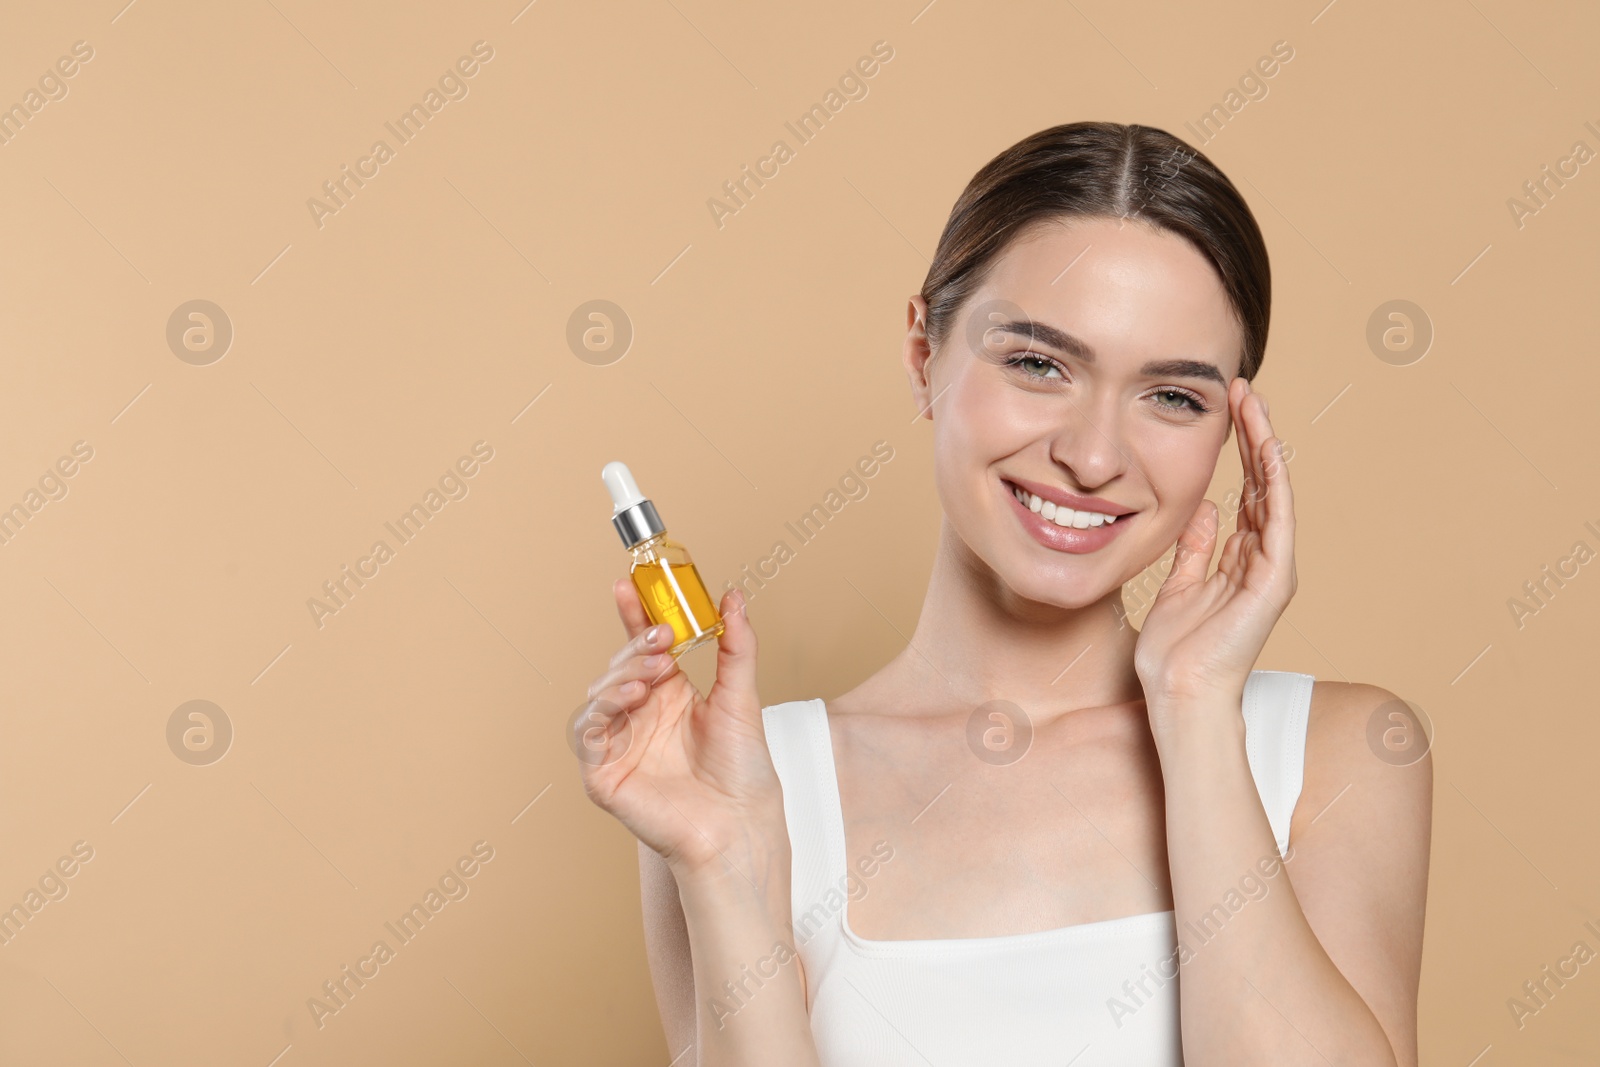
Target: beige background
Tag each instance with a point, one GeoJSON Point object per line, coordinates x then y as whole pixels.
{"type": "Point", "coordinates": [368, 354]}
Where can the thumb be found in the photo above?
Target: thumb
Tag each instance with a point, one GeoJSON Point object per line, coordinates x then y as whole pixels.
{"type": "Point", "coordinates": [1192, 556]}
{"type": "Point", "coordinates": [736, 648]}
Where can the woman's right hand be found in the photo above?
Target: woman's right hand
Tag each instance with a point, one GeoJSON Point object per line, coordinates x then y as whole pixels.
{"type": "Point", "coordinates": [690, 776]}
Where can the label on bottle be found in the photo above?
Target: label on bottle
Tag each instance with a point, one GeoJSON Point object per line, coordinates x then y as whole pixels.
{"type": "Point", "coordinates": [666, 603]}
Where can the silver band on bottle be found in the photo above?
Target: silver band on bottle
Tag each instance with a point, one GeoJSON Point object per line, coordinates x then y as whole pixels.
{"type": "Point", "coordinates": [638, 523]}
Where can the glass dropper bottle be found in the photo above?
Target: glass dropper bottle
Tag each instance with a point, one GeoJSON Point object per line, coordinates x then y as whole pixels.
{"type": "Point", "coordinates": [667, 580]}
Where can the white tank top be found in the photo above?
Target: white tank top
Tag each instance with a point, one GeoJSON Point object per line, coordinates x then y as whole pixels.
{"type": "Point", "coordinates": [1054, 997]}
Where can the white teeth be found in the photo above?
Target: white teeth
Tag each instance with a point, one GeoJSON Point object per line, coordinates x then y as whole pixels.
{"type": "Point", "coordinates": [1078, 520]}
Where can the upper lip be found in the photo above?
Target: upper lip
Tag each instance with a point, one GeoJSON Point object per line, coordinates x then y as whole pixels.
{"type": "Point", "coordinates": [1063, 499]}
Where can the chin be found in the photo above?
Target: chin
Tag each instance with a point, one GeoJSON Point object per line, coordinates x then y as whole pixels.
{"type": "Point", "coordinates": [1071, 585]}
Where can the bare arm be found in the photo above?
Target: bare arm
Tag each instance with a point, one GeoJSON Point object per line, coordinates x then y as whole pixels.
{"type": "Point", "coordinates": [1361, 835]}
{"type": "Point", "coordinates": [692, 778]}
{"type": "Point", "coordinates": [750, 1000]}
{"type": "Point", "coordinates": [666, 942]}
{"type": "Point", "coordinates": [672, 972]}
{"type": "Point", "coordinates": [1321, 969]}
{"type": "Point", "coordinates": [1266, 980]}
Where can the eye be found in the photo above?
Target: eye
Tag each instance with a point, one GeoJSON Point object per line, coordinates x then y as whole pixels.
{"type": "Point", "coordinates": [1180, 400]}
{"type": "Point", "coordinates": [1026, 360]}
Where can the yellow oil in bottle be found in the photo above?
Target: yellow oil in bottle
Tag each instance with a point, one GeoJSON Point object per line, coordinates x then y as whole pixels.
{"type": "Point", "coordinates": [674, 594]}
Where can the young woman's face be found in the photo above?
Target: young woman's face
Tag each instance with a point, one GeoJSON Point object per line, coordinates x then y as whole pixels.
{"type": "Point", "coordinates": [1091, 369]}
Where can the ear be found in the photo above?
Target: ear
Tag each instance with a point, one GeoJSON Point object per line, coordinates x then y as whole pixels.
{"type": "Point", "coordinates": [915, 354]}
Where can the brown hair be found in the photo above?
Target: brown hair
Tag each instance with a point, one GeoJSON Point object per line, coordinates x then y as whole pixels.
{"type": "Point", "coordinates": [1103, 170]}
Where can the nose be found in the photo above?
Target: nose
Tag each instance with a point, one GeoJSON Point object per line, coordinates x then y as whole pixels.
{"type": "Point", "coordinates": [1089, 443]}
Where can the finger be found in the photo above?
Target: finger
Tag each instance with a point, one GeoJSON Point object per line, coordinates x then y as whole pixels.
{"type": "Point", "coordinates": [1238, 390]}
{"type": "Point", "coordinates": [1233, 550]}
{"type": "Point", "coordinates": [1237, 399]}
{"type": "Point", "coordinates": [1278, 536]}
{"type": "Point", "coordinates": [1264, 456]}
{"type": "Point", "coordinates": [1192, 557]}
{"type": "Point", "coordinates": [652, 668]}
{"type": "Point", "coordinates": [614, 700]}
{"type": "Point", "coordinates": [736, 646]}
{"type": "Point", "coordinates": [629, 607]}
{"type": "Point", "coordinates": [657, 638]}
{"type": "Point", "coordinates": [604, 718]}
{"type": "Point", "coordinates": [1259, 430]}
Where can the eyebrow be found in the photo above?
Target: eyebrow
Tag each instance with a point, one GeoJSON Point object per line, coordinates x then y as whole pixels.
{"type": "Point", "coordinates": [1161, 368]}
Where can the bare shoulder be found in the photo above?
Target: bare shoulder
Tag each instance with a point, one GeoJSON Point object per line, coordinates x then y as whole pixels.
{"type": "Point", "coordinates": [1360, 839]}
{"type": "Point", "coordinates": [1364, 740]}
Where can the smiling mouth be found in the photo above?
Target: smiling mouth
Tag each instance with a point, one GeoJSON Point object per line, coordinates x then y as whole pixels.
{"type": "Point", "coordinates": [1062, 516]}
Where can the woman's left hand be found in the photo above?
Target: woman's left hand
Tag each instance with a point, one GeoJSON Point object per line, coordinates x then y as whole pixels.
{"type": "Point", "coordinates": [1203, 634]}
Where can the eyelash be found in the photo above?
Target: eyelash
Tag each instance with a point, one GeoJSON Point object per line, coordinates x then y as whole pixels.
{"type": "Point", "coordinates": [1192, 401]}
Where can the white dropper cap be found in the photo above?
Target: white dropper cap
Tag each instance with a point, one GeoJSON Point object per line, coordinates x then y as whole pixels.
{"type": "Point", "coordinates": [619, 481]}
{"type": "Point", "coordinates": [633, 515]}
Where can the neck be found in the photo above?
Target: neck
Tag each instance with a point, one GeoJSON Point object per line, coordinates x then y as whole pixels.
{"type": "Point", "coordinates": [977, 640]}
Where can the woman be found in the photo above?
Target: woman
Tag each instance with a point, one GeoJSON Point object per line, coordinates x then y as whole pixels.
{"type": "Point", "coordinates": [1021, 837]}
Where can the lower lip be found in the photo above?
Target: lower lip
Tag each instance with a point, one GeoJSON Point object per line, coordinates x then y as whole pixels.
{"type": "Point", "coordinates": [1064, 538]}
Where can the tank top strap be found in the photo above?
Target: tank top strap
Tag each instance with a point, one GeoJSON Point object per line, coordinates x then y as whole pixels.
{"type": "Point", "coordinates": [802, 755]}
{"type": "Point", "coordinates": [1277, 706]}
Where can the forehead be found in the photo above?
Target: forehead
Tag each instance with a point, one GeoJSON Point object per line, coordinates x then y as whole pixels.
{"type": "Point", "coordinates": [1131, 291]}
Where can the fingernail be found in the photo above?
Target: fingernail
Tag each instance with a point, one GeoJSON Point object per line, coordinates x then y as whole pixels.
{"type": "Point", "coordinates": [652, 662]}
{"type": "Point", "coordinates": [1264, 409]}
{"type": "Point", "coordinates": [660, 633]}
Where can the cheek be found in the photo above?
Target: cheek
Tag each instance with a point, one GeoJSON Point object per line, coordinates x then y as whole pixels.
{"type": "Point", "coordinates": [979, 420]}
{"type": "Point", "coordinates": [1179, 467]}
{"type": "Point", "coordinates": [974, 426]}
